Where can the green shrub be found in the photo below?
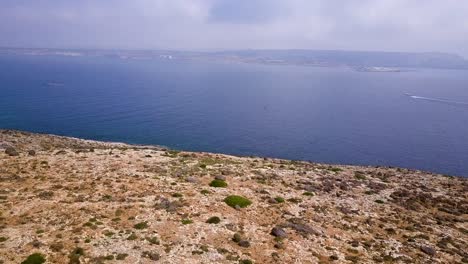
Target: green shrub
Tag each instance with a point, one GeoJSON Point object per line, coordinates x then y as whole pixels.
{"type": "Point", "coordinates": [141, 225]}
{"type": "Point", "coordinates": [35, 258]}
{"type": "Point", "coordinates": [235, 200]}
{"type": "Point", "coordinates": [213, 220]}
{"type": "Point", "coordinates": [74, 257]}
{"type": "Point", "coordinates": [237, 237]}
{"type": "Point", "coordinates": [218, 183]}
{"type": "Point", "coordinates": [108, 233]}
{"type": "Point", "coordinates": [359, 175]}
{"type": "Point", "coordinates": [133, 236]}
{"type": "Point", "coordinates": [279, 199]}
{"type": "Point", "coordinates": [153, 240]}
{"type": "Point", "coordinates": [379, 201]}
{"type": "Point", "coordinates": [205, 192]}
{"type": "Point", "coordinates": [177, 195]}
{"type": "Point", "coordinates": [245, 261]}
{"type": "Point", "coordinates": [121, 256]}
{"type": "Point", "coordinates": [334, 169]}
{"type": "Point", "coordinates": [186, 221]}
{"type": "Point", "coordinates": [294, 200]}
{"type": "Point", "coordinates": [308, 194]}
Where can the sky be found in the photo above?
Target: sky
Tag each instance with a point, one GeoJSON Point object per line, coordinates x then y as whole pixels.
{"type": "Point", "coordinates": [384, 25]}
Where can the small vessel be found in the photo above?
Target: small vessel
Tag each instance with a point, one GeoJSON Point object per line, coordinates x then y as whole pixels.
{"type": "Point", "coordinates": [54, 84]}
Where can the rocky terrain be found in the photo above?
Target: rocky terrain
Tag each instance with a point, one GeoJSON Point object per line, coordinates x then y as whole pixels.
{"type": "Point", "coordinates": [66, 200]}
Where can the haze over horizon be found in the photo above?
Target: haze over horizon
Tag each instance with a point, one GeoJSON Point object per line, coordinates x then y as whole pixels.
{"type": "Point", "coordinates": [387, 25]}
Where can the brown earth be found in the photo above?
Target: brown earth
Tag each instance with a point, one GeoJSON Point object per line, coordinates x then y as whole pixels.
{"type": "Point", "coordinates": [79, 201]}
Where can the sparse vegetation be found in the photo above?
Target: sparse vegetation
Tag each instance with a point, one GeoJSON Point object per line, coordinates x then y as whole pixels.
{"type": "Point", "coordinates": [205, 192]}
{"type": "Point", "coordinates": [294, 200]}
{"type": "Point", "coordinates": [213, 220]}
{"type": "Point", "coordinates": [121, 256]}
{"type": "Point", "coordinates": [359, 175]}
{"type": "Point", "coordinates": [172, 153]}
{"type": "Point", "coordinates": [218, 184]}
{"type": "Point", "coordinates": [74, 256]}
{"type": "Point", "coordinates": [279, 199]}
{"type": "Point", "coordinates": [237, 201]}
{"type": "Point", "coordinates": [153, 240]}
{"type": "Point", "coordinates": [35, 258]}
{"type": "Point", "coordinates": [141, 225]}
{"type": "Point", "coordinates": [120, 206]}
{"type": "Point", "coordinates": [186, 221]}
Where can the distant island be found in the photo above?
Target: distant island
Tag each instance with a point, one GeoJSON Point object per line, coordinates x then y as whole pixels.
{"type": "Point", "coordinates": [68, 200]}
{"type": "Point", "coordinates": [369, 61]}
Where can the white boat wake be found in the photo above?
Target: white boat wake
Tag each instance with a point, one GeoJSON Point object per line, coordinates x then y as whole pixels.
{"type": "Point", "coordinates": [437, 100]}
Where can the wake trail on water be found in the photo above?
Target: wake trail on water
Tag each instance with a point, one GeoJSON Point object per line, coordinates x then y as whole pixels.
{"type": "Point", "coordinates": [438, 100]}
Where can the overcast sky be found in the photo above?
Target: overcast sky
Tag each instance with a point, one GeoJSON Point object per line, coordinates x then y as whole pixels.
{"type": "Point", "coordinates": [390, 25]}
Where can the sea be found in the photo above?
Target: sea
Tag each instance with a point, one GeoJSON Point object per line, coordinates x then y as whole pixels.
{"type": "Point", "coordinates": [416, 118]}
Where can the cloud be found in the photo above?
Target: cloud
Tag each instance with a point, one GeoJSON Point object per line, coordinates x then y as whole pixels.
{"type": "Point", "coordinates": [412, 25]}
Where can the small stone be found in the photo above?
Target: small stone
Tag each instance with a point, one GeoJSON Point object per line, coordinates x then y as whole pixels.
{"type": "Point", "coordinates": [244, 243]}
{"type": "Point", "coordinates": [191, 179]}
{"type": "Point", "coordinates": [151, 255]}
{"type": "Point", "coordinates": [272, 201]}
{"type": "Point", "coordinates": [428, 250]}
{"type": "Point", "coordinates": [220, 177]}
{"type": "Point", "coordinates": [278, 232]}
{"type": "Point", "coordinates": [32, 153]}
{"type": "Point", "coordinates": [11, 151]}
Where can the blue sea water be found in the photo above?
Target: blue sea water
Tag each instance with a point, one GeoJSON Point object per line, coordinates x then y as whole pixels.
{"type": "Point", "coordinates": [332, 115]}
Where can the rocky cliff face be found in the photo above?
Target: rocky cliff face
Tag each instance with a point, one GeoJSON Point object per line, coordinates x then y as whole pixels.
{"type": "Point", "coordinates": [68, 200]}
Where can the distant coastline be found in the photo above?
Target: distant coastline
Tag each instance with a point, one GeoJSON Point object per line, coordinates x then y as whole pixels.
{"type": "Point", "coordinates": [365, 61]}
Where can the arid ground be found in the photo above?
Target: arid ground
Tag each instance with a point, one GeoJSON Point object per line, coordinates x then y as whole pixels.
{"type": "Point", "coordinates": [66, 200]}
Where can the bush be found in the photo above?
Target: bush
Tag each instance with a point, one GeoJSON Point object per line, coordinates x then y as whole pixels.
{"type": "Point", "coordinates": [74, 257]}
{"type": "Point", "coordinates": [35, 258]}
{"type": "Point", "coordinates": [294, 200]}
{"type": "Point", "coordinates": [141, 225]}
{"type": "Point", "coordinates": [218, 183]}
{"type": "Point", "coordinates": [235, 200]}
{"type": "Point", "coordinates": [213, 220]}
{"type": "Point", "coordinates": [279, 199]}
{"type": "Point", "coordinates": [186, 221]}
{"type": "Point", "coordinates": [359, 175]}
{"type": "Point", "coordinates": [308, 194]}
